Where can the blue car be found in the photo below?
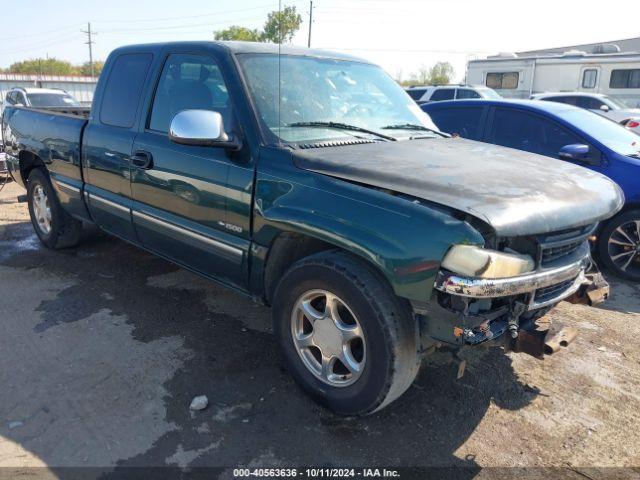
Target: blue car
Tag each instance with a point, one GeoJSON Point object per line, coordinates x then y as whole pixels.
{"type": "Point", "coordinates": [569, 133]}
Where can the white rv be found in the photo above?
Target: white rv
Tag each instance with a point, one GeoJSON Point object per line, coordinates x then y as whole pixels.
{"type": "Point", "coordinates": [513, 76]}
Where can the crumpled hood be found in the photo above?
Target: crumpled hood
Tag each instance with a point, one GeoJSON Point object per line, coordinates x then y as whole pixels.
{"type": "Point", "coordinates": [515, 192]}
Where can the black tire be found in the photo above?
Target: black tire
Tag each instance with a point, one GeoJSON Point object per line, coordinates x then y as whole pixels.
{"type": "Point", "coordinates": [391, 332]}
{"type": "Point", "coordinates": [64, 230]}
{"type": "Point", "coordinates": [607, 252]}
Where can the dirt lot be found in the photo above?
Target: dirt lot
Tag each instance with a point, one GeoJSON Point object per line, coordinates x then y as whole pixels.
{"type": "Point", "coordinates": [103, 347]}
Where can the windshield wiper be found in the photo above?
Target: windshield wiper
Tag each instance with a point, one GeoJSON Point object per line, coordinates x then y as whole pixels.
{"type": "Point", "coordinates": [414, 126]}
{"type": "Point", "coordinates": [342, 126]}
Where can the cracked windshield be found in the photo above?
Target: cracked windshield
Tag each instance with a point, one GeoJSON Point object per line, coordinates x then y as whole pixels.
{"type": "Point", "coordinates": [328, 99]}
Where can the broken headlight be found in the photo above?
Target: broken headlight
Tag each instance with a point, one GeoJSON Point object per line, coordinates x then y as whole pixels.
{"type": "Point", "coordinates": [479, 262]}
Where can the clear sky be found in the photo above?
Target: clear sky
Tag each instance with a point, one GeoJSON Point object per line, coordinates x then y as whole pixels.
{"type": "Point", "coordinates": [401, 35]}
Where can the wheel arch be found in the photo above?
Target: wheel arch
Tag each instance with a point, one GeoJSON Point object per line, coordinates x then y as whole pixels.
{"type": "Point", "coordinates": [27, 162]}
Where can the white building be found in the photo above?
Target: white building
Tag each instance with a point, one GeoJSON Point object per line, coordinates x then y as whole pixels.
{"type": "Point", "coordinates": [597, 68]}
{"type": "Point", "coordinates": [81, 88]}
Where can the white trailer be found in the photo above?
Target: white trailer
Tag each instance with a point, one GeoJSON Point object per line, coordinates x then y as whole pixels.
{"type": "Point", "coordinates": [613, 74]}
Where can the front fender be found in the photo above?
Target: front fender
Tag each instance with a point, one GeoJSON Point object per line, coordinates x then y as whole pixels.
{"type": "Point", "coordinates": [405, 241]}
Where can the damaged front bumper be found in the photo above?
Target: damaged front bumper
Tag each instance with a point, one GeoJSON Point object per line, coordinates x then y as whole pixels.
{"type": "Point", "coordinates": [568, 279]}
{"type": "Point", "coordinates": [470, 311]}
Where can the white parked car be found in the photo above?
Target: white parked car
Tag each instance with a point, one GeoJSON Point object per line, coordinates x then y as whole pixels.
{"type": "Point", "coordinates": [40, 97]}
{"type": "Point", "coordinates": [425, 93]}
{"type": "Point", "coordinates": [599, 103]}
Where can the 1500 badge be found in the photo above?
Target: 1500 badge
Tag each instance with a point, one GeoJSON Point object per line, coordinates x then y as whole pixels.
{"type": "Point", "coordinates": [230, 226]}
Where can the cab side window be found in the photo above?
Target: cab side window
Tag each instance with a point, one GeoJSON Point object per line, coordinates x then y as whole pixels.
{"type": "Point", "coordinates": [188, 82]}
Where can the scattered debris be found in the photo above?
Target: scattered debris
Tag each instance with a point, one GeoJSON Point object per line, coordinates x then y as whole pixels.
{"type": "Point", "coordinates": [199, 403]}
{"type": "Point", "coordinates": [602, 349]}
{"type": "Point", "coordinates": [15, 424]}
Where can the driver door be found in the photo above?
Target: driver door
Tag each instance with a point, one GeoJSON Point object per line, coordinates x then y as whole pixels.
{"type": "Point", "coordinates": [180, 191]}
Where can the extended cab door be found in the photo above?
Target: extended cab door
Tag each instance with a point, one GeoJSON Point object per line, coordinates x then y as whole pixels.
{"type": "Point", "coordinates": [107, 143]}
{"type": "Point", "coordinates": [180, 191]}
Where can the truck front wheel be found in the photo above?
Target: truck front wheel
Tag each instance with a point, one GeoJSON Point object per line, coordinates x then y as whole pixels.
{"type": "Point", "coordinates": [348, 340]}
{"type": "Point", "coordinates": [55, 227]}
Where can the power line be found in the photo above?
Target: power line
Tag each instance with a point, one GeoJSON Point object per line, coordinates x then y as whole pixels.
{"type": "Point", "coordinates": [216, 14]}
{"type": "Point", "coordinates": [90, 42]}
{"type": "Point", "coordinates": [177, 27]}
{"type": "Point", "coordinates": [41, 34]}
{"type": "Point", "coordinates": [41, 44]}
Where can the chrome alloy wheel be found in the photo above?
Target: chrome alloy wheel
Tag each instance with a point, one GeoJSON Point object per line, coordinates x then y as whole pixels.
{"type": "Point", "coordinates": [41, 209]}
{"type": "Point", "coordinates": [328, 337]}
{"type": "Point", "coordinates": [624, 246]}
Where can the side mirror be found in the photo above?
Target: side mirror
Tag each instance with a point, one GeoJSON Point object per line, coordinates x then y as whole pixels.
{"type": "Point", "coordinates": [605, 108]}
{"type": "Point", "coordinates": [574, 152]}
{"type": "Point", "coordinates": [201, 128]}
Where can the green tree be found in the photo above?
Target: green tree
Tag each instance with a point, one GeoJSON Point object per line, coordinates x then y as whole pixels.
{"type": "Point", "coordinates": [440, 74]}
{"type": "Point", "coordinates": [46, 66]}
{"type": "Point", "coordinates": [85, 68]}
{"type": "Point", "coordinates": [236, 32]}
{"type": "Point", "coordinates": [420, 77]}
{"type": "Point", "coordinates": [281, 26]}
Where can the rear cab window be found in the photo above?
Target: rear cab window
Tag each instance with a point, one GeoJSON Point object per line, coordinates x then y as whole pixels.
{"type": "Point", "coordinates": [123, 90]}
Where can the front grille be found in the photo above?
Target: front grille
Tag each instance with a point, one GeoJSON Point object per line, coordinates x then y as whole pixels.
{"type": "Point", "coordinates": [551, 254]}
{"type": "Point", "coordinates": [548, 293]}
{"type": "Point", "coordinates": [562, 245]}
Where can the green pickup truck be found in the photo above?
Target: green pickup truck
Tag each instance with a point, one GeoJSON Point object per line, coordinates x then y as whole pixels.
{"type": "Point", "coordinates": [311, 181]}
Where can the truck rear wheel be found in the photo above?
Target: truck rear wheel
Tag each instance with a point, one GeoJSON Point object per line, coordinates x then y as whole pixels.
{"type": "Point", "coordinates": [348, 340]}
{"type": "Point", "coordinates": [55, 227]}
{"type": "Point", "coordinates": [619, 245]}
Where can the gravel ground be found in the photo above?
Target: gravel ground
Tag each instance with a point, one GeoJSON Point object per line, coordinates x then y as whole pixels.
{"type": "Point", "coordinates": [103, 347]}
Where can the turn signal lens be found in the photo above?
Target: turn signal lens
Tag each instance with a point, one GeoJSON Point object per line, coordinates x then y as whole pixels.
{"type": "Point", "coordinates": [478, 262]}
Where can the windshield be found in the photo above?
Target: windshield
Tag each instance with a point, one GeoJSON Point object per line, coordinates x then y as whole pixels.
{"type": "Point", "coordinates": [615, 104]}
{"type": "Point", "coordinates": [607, 132]}
{"type": "Point", "coordinates": [327, 90]}
{"type": "Point", "coordinates": [51, 100]}
{"type": "Point", "coordinates": [490, 93]}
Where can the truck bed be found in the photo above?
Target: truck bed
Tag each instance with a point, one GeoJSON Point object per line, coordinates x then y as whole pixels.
{"type": "Point", "coordinates": [74, 111]}
{"type": "Point", "coordinates": [57, 143]}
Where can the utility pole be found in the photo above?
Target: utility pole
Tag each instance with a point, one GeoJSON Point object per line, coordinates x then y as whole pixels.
{"type": "Point", "coordinates": [90, 42]}
{"type": "Point", "coordinates": [310, 22]}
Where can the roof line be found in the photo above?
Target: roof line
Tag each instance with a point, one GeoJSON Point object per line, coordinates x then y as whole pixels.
{"type": "Point", "coordinates": [580, 45]}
